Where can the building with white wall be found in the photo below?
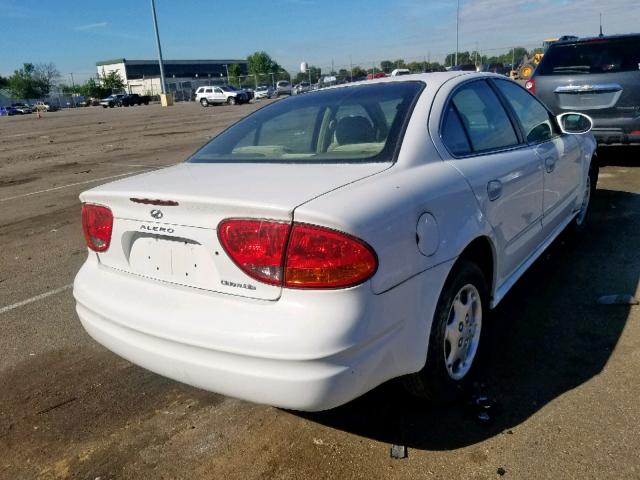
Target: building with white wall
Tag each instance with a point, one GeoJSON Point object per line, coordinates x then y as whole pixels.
{"type": "Point", "coordinates": [143, 76]}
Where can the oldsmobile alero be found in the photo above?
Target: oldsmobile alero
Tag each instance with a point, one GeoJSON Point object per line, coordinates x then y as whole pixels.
{"type": "Point", "coordinates": [329, 242]}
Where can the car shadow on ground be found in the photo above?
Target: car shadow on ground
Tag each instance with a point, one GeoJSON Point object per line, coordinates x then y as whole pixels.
{"type": "Point", "coordinates": [548, 336]}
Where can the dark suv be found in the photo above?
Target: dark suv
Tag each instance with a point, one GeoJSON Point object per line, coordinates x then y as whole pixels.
{"type": "Point", "coordinates": [599, 77]}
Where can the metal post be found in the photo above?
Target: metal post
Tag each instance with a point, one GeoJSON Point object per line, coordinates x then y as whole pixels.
{"type": "Point", "coordinates": [351, 67]}
{"type": "Point", "coordinates": [513, 58]}
{"type": "Point", "coordinates": [457, 30]}
{"type": "Point", "coordinates": [163, 85]}
{"type": "Point", "coordinates": [73, 87]}
{"type": "Point", "coordinates": [227, 69]}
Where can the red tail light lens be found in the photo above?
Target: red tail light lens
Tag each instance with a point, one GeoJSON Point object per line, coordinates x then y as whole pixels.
{"type": "Point", "coordinates": [298, 256]}
{"type": "Point", "coordinates": [256, 246]}
{"type": "Point", "coordinates": [321, 258]}
{"type": "Point", "coordinates": [97, 224]}
{"type": "Point", "coordinates": [530, 86]}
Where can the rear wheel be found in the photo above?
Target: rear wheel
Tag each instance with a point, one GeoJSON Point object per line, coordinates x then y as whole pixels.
{"type": "Point", "coordinates": [455, 338]}
{"type": "Point", "coordinates": [204, 102]}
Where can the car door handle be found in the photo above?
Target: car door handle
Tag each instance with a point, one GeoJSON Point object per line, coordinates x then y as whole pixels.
{"type": "Point", "coordinates": [494, 189]}
{"type": "Point", "coordinates": [549, 164]}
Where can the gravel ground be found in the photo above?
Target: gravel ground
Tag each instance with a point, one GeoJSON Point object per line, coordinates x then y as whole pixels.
{"type": "Point", "coordinates": [562, 368]}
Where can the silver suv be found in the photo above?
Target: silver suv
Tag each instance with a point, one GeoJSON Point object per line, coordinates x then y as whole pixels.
{"type": "Point", "coordinates": [283, 87]}
{"type": "Point", "coordinates": [599, 77]}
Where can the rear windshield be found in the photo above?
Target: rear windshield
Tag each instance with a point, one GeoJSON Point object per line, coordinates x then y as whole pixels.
{"type": "Point", "coordinates": [343, 125]}
{"type": "Point", "coordinates": [595, 56]}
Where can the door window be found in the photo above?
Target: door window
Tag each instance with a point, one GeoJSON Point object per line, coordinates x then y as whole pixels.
{"type": "Point", "coordinates": [485, 120]}
{"type": "Point", "coordinates": [535, 119]}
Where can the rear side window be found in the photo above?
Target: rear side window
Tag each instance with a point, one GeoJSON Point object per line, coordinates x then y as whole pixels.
{"type": "Point", "coordinates": [535, 119]}
{"type": "Point", "coordinates": [453, 134]}
{"type": "Point", "coordinates": [483, 117]}
{"type": "Point", "coordinates": [596, 56]}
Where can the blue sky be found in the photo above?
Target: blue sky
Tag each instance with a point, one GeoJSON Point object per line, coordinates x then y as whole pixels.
{"type": "Point", "coordinates": [75, 34]}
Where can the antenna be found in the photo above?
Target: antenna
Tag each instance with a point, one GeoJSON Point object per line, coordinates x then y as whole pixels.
{"type": "Point", "coordinates": [601, 35]}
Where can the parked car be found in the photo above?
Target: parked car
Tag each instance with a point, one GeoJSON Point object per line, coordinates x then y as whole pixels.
{"type": "Point", "coordinates": [22, 108]}
{"type": "Point", "coordinates": [283, 87]}
{"type": "Point", "coordinates": [598, 76]}
{"type": "Point", "coordinates": [112, 101]}
{"type": "Point", "coordinates": [8, 111]}
{"type": "Point", "coordinates": [45, 107]}
{"type": "Point", "coordinates": [372, 76]}
{"type": "Point", "coordinates": [493, 68]}
{"type": "Point", "coordinates": [246, 90]}
{"type": "Point", "coordinates": [212, 95]}
{"type": "Point", "coordinates": [131, 99]}
{"type": "Point", "coordinates": [326, 244]}
{"type": "Point", "coordinates": [400, 71]}
{"type": "Point", "coordinates": [264, 91]}
{"type": "Point", "coordinates": [302, 87]}
{"type": "Point", "coordinates": [467, 67]}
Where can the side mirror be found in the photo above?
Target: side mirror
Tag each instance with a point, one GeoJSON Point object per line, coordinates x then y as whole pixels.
{"type": "Point", "coordinates": [574, 123]}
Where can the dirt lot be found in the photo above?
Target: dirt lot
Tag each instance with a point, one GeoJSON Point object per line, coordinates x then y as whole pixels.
{"type": "Point", "coordinates": [563, 369]}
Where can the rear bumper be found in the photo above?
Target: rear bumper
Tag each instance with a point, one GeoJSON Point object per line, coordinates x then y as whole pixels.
{"type": "Point", "coordinates": [613, 136]}
{"type": "Point", "coordinates": [307, 351]}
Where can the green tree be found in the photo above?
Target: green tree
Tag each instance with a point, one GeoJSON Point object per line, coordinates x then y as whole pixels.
{"type": "Point", "coordinates": [112, 81]}
{"type": "Point", "coordinates": [312, 73]}
{"type": "Point", "coordinates": [358, 72]}
{"type": "Point", "coordinates": [387, 66]}
{"type": "Point", "coordinates": [234, 71]}
{"type": "Point", "coordinates": [93, 89]}
{"type": "Point", "coordinates": [3, 81]}
{"type": "Point", "coordinates": [260, 63]}
{"type": "Point", "coordinates": [26, 83]}
{"type": "Point", "coordinates": [47, 74]}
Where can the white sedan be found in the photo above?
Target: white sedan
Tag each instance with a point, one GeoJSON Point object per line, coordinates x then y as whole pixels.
{"type": "Point", "coordinates": [330, 242]}
{"type": "Point", "coordinates": [263, 91]}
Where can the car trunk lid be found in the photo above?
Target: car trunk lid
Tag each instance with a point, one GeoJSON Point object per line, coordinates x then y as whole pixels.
{"type": "Point", "coordinates": [165, 221]}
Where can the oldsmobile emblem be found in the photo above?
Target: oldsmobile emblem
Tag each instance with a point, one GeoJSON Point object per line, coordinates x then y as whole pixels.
{"type": "Point", "coordinates": [157, 214]}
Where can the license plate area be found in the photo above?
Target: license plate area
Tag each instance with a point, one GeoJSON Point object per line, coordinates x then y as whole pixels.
{"type": "Point", "coordinates": [172, 259]}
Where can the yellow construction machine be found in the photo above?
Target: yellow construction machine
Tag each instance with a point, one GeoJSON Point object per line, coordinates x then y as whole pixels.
{"type": "Point", "coordinates": [528, 65]}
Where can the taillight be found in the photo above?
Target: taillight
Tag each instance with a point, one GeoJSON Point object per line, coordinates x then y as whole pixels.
{"type": "Point", "coordinates": [530, 85]}
{"type": "Point", "coordinates": [321, 258]}
{"type": "Point", "coordinates": [97, 225]}
{"type": "Point", "coordinates": [298, 255]}
{"type": "Point", "coordinates": [256, 246]}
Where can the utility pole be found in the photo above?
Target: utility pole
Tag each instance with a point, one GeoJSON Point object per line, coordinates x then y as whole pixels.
{"type": "Point", "coordinates": [513, 58]}
{"type": "Point", "coordinates": [163, 84]}
{"type": "Point", "coordinates": [457, 30]}
{"type": "Point", "coordinates": [73, 86]}
{"type": "Point", "coordinates": [351, 67]}
{"type": "Point", "coordinates": [226, 67]}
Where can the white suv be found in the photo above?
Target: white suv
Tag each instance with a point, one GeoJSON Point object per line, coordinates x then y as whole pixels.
{"type": "Point", "coordinates": [211, 95]}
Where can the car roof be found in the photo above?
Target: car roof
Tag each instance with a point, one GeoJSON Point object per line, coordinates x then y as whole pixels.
{"type": "Point", "coordinates": [433, 78]}
{"type": "Point", "coordinates": [595, 39]}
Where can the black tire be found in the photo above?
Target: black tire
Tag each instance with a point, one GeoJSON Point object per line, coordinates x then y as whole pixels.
{"type": "Point", "coordinates": [111, 105]}
{"type": "Point", "coordinates": [204, 102]}
{"type": "Point", "coordinates": [232, 101]}
{"type": "Point", "coordinates": [104, 106]}
{"type": "Point", "coordinates": [434, 382]}
{"type": "Point", "coordinates": [581, 220]}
